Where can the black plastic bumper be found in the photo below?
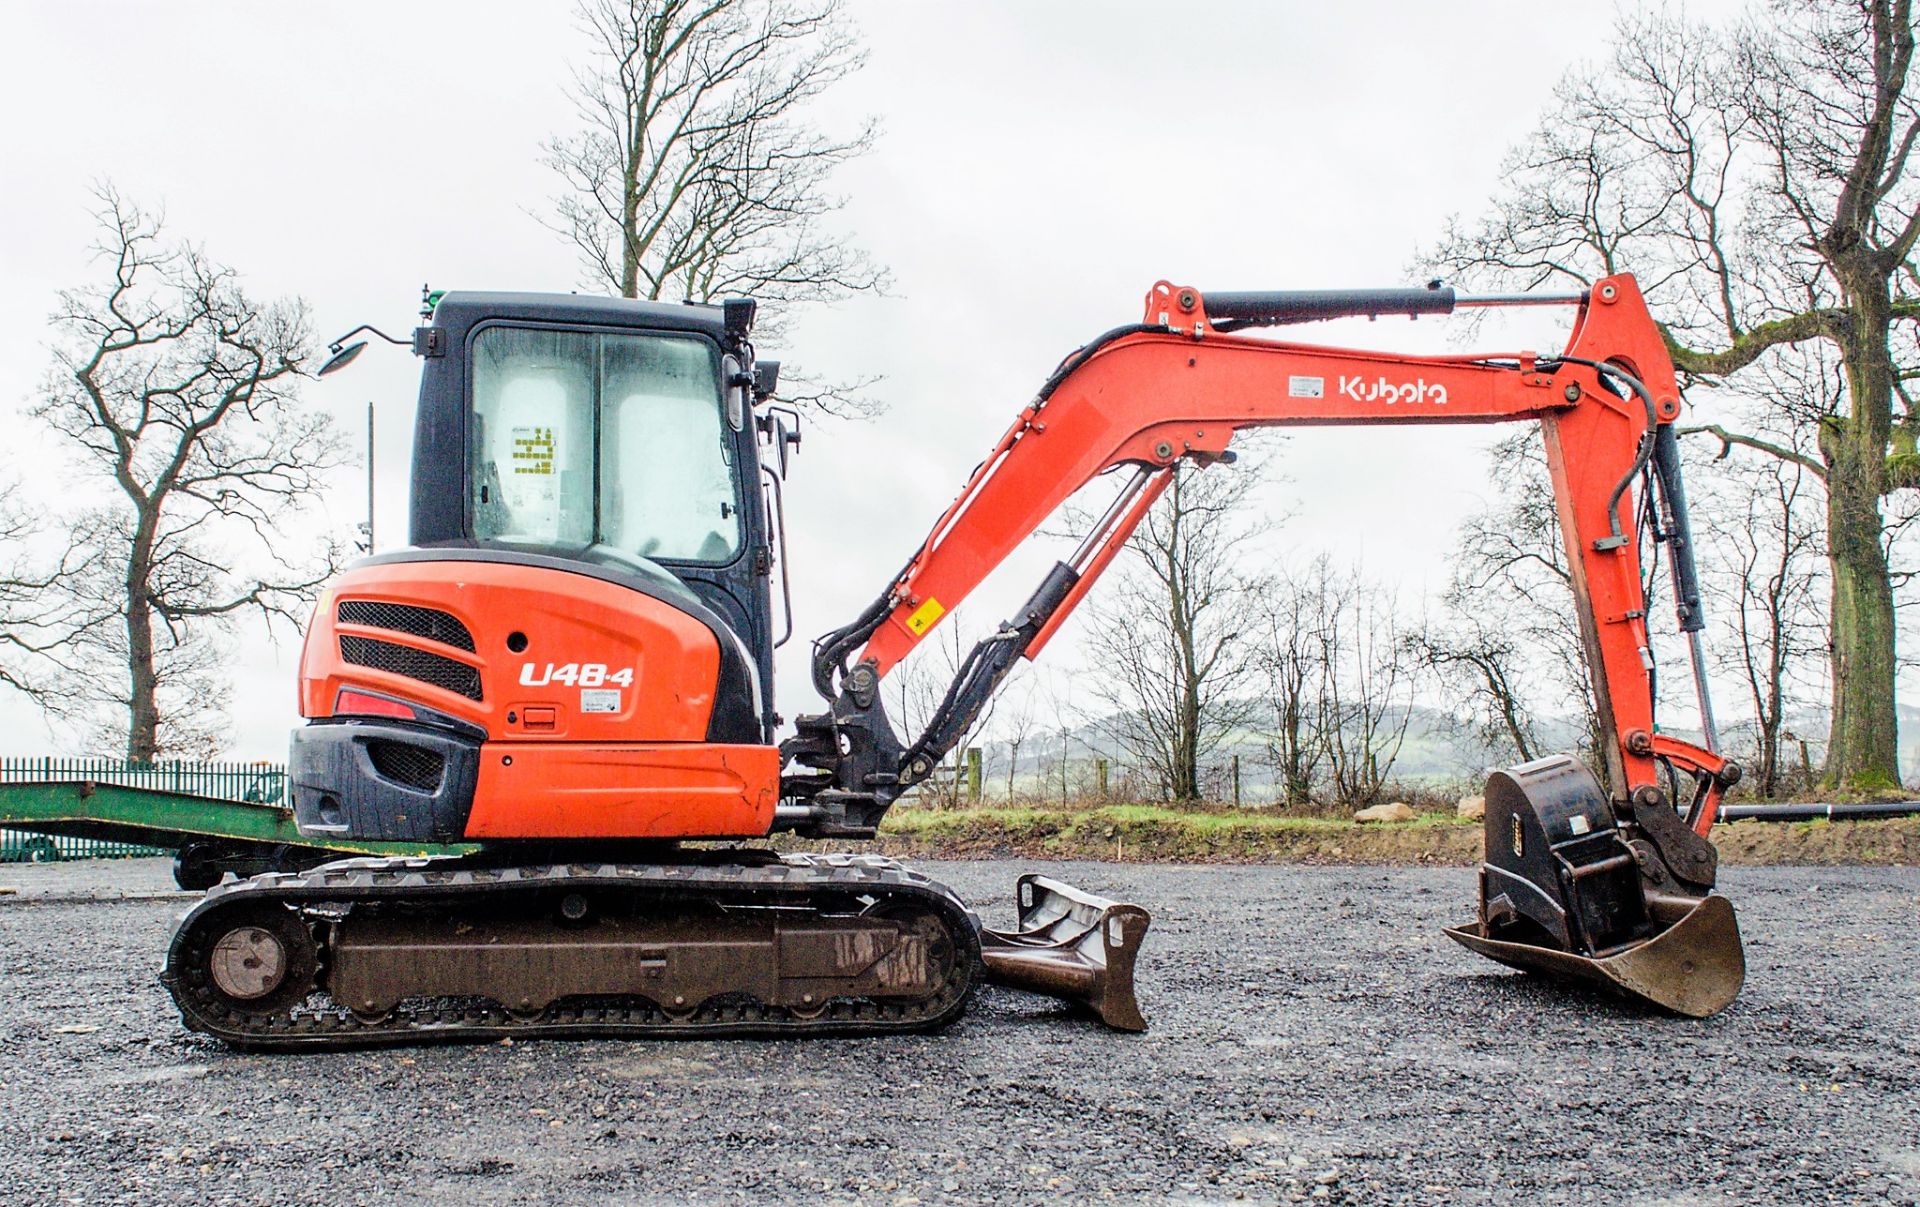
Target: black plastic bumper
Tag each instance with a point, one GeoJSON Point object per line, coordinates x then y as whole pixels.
{"type": "Point", "coordinates": [377, 780]}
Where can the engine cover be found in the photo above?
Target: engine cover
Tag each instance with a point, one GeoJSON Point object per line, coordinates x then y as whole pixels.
{"type": "Point", "coordinates": [504, 696]}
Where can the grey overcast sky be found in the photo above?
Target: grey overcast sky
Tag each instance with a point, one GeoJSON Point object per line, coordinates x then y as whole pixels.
{"type": "Point", "coordinates": [1040, 165]}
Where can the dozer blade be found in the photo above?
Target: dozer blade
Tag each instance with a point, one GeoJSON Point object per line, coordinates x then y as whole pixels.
{"type": "Point", "coordinates": [1072, 945]}
{"type": "Point", "coordinates": [1695, 967]}
{"type": "Point", "coordinates": [1570, 890]}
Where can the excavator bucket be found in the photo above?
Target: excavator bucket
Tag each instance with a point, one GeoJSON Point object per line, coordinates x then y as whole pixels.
{"type": "Point", "coordinates": [1072, 945]}
{"type": "Point", "coordinates": [1568, 891]}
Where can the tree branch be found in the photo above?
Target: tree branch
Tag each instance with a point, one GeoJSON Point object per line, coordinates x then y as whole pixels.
{"type": "Point", "coordinates": [1729, 439]}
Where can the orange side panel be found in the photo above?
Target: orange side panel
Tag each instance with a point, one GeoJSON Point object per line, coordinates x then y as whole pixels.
{"type": "Point", "coordinates": [624, 790]}
{"type": "Point", "coordinates": [596, 662]}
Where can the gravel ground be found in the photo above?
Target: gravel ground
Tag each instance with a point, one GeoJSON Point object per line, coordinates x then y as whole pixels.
{"type": "Point", "coordinates": [1314, 1037]}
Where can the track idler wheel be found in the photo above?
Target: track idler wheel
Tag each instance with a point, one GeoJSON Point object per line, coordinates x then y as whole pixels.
{"type": "Point", "coordinates": [1563, 893]}
{"type": "Point", "coordinates": [260, 960]}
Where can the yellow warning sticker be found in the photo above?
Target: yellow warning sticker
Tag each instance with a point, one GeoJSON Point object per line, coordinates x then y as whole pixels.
{"type": "Point", "coordinates": [533, 450]}
{"type": "Point", "coordinates": [924, 616]}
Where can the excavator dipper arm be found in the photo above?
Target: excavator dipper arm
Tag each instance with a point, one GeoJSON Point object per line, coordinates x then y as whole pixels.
{"type": "Point", "coordinates": [1178, 387]}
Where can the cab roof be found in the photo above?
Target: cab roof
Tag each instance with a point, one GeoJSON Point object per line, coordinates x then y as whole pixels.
{"type": "Point", "coordinates": [462, 310]}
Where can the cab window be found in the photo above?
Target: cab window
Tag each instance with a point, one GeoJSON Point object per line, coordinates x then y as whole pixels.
{"type": "Point", "coordinates": [591, 438]}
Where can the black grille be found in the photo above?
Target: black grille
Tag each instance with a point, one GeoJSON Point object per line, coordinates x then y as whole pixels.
{"type": "Point", "coordinates": [430, 623]}
{"type": "Point", "coordinates": [414, 766]}
{"type": "Point", "coordinates": [442, 672]}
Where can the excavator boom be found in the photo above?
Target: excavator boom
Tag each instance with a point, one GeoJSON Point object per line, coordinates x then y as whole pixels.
{"type": "Point", "coordinates": [1177, 388]}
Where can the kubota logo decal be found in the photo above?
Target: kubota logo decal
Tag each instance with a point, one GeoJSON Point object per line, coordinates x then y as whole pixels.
{"type": "Point", "coordinates": [1380, 389]}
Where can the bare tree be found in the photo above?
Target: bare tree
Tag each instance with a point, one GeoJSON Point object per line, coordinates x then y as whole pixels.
{"type": "Point", "coordinates": [175, 392]}
{"type": "Point", "coordinates": [1290, 665]}
{"type": "Point", "coordinates": [1367, 689]}
{"type": "Point", "coordinates": [1481, 663]}
{"type": "Point", "coordinates": [1336, 681]}
{"type": "Point", "coordinates": [1511, 595]}
{"type": "Point", "coordinates": [1057, 694]}
{"type": "Point", "coordinates": [1019, 710]}
{"type": "Point", "coordinates": [1756, 180]}
{"type": "Point", "coordinates": [39, 625]}
{"type": "Point", "coordinates": [695, 173]}
{"type": "Point", "coordinates": [1767, 567]}
{"type": "Point", "coordinates": [1169, 628]}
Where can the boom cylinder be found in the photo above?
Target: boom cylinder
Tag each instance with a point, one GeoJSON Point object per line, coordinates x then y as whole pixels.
{"type": "Point", "coordinates": [1275, 307]}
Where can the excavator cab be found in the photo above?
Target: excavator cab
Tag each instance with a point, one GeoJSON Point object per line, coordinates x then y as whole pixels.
{"type": "Point", "coordinates": [606, 432]}
{"type": "Point", "coordinates": [589, 562]}
{"type": "Point", "coordinates": [612, 433]}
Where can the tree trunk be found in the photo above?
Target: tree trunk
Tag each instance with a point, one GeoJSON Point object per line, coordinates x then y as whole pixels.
{"type": "Point", "coordinates": [1773, 714]}
{"type": "Point", "coordinates": [1186, 744]}
{"type": "Point", "coordinates": [1295, 776]}
{"type": "Point", "coordinates": [1185, 769]}
{"type": "Point", "coordinates": [143, 678]}
{"type": "Point", "coordinates": [143, 707]}
{"type": "Point", "coordinates": [1768, 781]}
{"type": "Point", "coordinates": [1862, 751]}
{"type": "Point", "coordinates": [1863, 748]}
{"type": "Point", "coordinates": [629, 253]}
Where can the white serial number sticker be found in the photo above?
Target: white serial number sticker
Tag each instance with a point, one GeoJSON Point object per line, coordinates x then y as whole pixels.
{"type": "Point", "coordinates": [1306, 387]}
{"type": "Point", "coordinates": [599, 700]}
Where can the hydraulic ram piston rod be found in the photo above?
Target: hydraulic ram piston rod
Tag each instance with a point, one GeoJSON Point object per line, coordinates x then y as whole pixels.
{"type": "Point", "coordinates": [1275, 307]}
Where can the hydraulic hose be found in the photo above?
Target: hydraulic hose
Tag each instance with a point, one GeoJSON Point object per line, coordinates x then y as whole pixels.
{"type": "Point", "coordinates": [1647, 438]}
{"type": "Point", "coordinates": [1660, 449]}
{"type": "Point", "coordinates": [1081, 355]}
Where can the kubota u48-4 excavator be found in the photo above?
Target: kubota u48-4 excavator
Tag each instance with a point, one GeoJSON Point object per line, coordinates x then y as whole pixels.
{"type": "Point", "coordinates": [572, 664]}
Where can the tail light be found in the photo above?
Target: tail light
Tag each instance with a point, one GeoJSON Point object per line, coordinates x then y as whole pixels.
{"type": "Point", "coordinates": [365, 704]}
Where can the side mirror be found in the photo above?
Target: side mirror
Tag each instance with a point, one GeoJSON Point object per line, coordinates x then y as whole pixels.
{"type": "Point", "coordinates": [782, 438]}
{"type": "Point", "coordinates": [341, 357]}
{"type": "Point", "coordinates": [340, 353]}
{"type": "Point", "coordinates": [786, 442]}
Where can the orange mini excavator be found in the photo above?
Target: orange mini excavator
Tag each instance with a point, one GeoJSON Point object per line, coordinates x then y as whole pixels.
{"type": "Point", "coordinates": [571, 667]}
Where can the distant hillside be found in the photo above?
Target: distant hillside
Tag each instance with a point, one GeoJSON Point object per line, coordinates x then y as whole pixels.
{"type": "Point", "coordinates": [1439, 751]}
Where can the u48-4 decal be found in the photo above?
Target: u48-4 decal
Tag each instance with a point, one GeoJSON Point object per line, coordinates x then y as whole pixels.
{"type": "Point", "coordinates": [574, 674]}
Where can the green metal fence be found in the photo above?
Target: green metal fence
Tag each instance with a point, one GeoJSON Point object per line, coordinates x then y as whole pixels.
{"type": "Point", "coordinates": [261, 783]}
{"type": "Point", "coordinates": [19, 846]}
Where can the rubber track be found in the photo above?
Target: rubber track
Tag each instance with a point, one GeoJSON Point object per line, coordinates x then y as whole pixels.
{"type": "Point", "coordinates": [331, 888]}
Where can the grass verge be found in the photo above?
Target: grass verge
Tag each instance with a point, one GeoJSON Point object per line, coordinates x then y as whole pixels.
{"type": "Point", "coordinates": [1154, 834]}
